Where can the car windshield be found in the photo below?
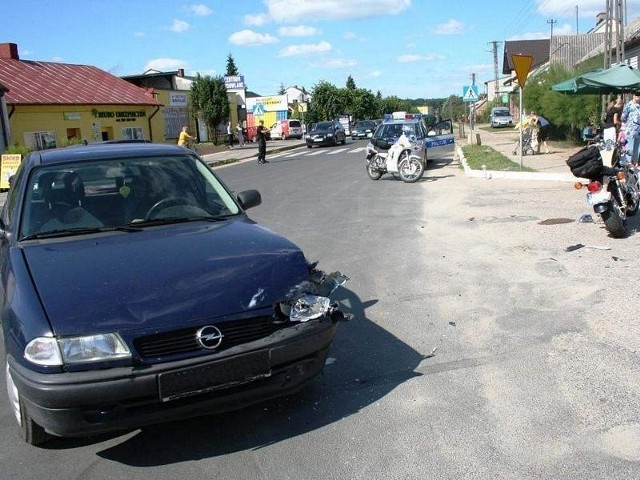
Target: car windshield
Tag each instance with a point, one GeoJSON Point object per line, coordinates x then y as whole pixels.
{"type": "Point", "coordinates": [501, 113]}
{"type": "Point", "coordinates": [121, 193]}
{"type": "Point", "coordinates": [324, 125]}
{"type": "Point", "coordinates": [364, 125]}
{"type": "Point", "coordinates": [394, 130]}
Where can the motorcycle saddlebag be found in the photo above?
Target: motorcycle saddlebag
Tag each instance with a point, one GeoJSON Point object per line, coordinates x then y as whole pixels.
{"type": "Point", "coordinates": [586, 163]}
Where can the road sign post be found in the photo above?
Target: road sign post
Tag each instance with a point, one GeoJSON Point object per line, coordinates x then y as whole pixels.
{"type": "Point", "coordinates": [522, 66]}
{"type": "Point", "coordinates": [470, 95]}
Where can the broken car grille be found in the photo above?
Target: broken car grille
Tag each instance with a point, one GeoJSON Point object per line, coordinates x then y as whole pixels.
{"type": "Point", "coordinates": [234, 333]}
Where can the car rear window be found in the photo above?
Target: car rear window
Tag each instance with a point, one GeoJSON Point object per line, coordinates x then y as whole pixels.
{"type": "Point", "coordinates": [294, 123]}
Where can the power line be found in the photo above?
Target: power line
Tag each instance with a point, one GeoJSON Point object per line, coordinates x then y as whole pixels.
{"type": "Point", "coordinates": [552, 23]}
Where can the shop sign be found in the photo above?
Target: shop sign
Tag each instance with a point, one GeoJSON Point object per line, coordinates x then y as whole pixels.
{"type": "Point", "coordinates": [71, 115]}
{"type": "Point", "coordinates": [118, 114]}
{"type": "Point", "coordinates": [234, 82]}
{"type": "Point", "coordinates": [8, 166]}
{"type": "Point", "coordinates": [274, 103]}
{"type": "Point", "coordinates": [177, 99]}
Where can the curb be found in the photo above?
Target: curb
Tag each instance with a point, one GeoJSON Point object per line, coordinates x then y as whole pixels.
{"type": "Point", "coordinates": [489, 174]}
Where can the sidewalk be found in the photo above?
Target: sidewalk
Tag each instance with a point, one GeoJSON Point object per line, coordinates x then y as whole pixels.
{"type": "Point", "coordinates": [547, 166]}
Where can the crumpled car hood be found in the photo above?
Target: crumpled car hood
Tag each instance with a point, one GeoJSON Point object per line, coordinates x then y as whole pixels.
{"type": "Point", "coordinates": [162, 276]}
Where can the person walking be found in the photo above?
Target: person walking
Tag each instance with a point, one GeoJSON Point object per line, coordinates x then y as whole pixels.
{"type": "Point", "coordinates": [262, 145]}
{"type": "Point", "coordinates": [240, 134]}
{"type": "Point", "coordinates": [614, 112]}
{"type": "Point", "coordinates": [229, 135]}
{"type": "Point", "coordinates": [631, 127]}
{"type": "Point", "coordinates": [184, 137]}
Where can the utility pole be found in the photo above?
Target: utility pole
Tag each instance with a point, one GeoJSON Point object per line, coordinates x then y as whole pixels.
{"type": "Point", "coordinates": [577, 31]}
{"type": "Point", "coordinates": [551, 22]}
{"type": "Point", "coordinates": [494, 49]}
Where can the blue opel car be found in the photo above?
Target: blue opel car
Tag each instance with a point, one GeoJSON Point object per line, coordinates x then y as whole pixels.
{"type": "Point", "coordinates": [134, 289]}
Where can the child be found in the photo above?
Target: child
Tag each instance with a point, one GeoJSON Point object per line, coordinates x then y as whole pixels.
{"type": "Point", "coordinates": [262, 145]}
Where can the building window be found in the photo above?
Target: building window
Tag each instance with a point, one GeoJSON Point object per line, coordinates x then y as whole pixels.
{"type": "Point", "coordinates": [74, 134]}
{"type": "Point", "coordinates": [132, 133]}
{"type": "Point", "coordinates": [40, 140]}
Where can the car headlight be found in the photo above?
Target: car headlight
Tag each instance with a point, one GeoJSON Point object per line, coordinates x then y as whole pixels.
{"type": "Point", "coordinates": [50, 351]}
{"type": "Point", "coordinates": [329, 134]}
{"type": "Point", "coordinates": [308, 307]}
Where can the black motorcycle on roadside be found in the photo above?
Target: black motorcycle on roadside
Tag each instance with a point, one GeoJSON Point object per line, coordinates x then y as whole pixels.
{"type": "Point", "coordinates": [613, 189]}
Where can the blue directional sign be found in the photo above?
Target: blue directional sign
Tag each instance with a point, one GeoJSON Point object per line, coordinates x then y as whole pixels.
{"type": "Point", "coordinates": [258, 109]}
{"type": "Point", "coordinates": [470, 93]}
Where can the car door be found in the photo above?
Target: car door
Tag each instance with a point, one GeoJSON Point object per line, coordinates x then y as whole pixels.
{"type": "Point", "coordinates": [440, 141]}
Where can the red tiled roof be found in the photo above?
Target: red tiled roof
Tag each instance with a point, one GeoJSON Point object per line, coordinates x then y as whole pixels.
{"type": "Point", "coordinates": [48, 83]}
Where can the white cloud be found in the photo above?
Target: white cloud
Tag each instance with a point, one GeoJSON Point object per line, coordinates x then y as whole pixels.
{"type": "Point", "coordinates": [250, 38]}
{"type": "Point", "coordinates": [296, 50]}
{"type": "Point", "coordinates": [165, 64]}
{"type": "Point", "coordinates": [299, 31]}
{"type": "Point", "coordinates": [530, 36]}
{"type": "Point", "coordinates": [179, 26]}
{"type": "Point", "coordinates": [334, 63]}
{"type": "Point", "coordinates": [255, 20]}
{"type": "Point", "coordinates": [199, 10]}
{"type": "Point", "coordinates": [375, 73]}
{"type": "Point", "coordinates": [287, 11]}
{"type": "Point", "coordinates": [419, 58]}
{"type": "Point", "coordinates": [193, 73]}
{"type": "Point", "coordinates": [451, 27]}
{"type": "Point", "coordinates": [138, 34]}
{"type": "Point", "coordinates": [349, 36]}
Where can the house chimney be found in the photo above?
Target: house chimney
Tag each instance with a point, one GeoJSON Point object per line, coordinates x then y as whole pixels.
{"type": "Point", "coordinates": [181, 72]}
{"type": "Point", "coordinates": [9, 51]}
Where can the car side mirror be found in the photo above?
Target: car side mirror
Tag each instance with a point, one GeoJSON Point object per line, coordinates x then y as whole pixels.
{"type": "Point", "coordinates": [249, 198]}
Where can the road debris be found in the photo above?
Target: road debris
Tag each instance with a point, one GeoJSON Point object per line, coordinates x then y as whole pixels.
{"type": "Point", "coordinates": [577, 246]}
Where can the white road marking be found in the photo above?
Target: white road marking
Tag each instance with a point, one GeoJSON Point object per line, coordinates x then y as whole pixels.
{"type": "Point", "coordinates": [333, 152]}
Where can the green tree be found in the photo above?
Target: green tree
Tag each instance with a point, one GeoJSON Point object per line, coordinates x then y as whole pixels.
{"type": "Point", "coordinates": [327, 102]}
{"type": "Point", "coordinates": [208, 101]}
{"type": "Point", "coordinates": [232, 70]}
{"type": "Point", "coordinates": [282, 90]}
{"type": "Point", "coordinates": [351, 84]}
{"type": "Point", "coordinates": [568, 114]}
{"type": "Point", "coordinates": [363, 105]}
{"type": "Point", "coordinates": [454, 108]}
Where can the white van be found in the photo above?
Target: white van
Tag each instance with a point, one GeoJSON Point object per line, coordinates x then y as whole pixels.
{"type": "Point", "coordinates": [500, 117]}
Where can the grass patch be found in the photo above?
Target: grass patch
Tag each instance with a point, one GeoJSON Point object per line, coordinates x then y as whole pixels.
{"type": "Point", "coordinates": [479, 155]}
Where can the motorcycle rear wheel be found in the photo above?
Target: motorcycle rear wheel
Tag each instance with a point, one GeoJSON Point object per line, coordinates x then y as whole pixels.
{"type": "Point", "coordinates": [410, 169]}
{"type": "Point", "coordinates": [613, 221]}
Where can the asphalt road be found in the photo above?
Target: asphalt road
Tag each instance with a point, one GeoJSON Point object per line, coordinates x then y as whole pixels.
{"type": "Point", "coordinates": [480, 348]}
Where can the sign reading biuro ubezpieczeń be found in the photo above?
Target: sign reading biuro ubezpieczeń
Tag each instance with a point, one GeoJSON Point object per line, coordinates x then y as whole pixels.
{"type": "Point", "coordinates": [8, 166]}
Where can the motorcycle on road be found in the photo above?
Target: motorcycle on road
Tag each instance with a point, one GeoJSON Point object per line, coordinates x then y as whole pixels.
{"type": "Point", "coordinates": [613, 189]}
{"type": "Point", "coordinates": [401, 158]}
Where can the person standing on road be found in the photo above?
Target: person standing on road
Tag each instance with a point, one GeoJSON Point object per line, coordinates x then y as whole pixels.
{"type": "Point", "coordinates": [262, 145]}
{"type": "Point", "coordinates": [631, 127]}
{"type": "Point", "coordinates": [614, 112]}
{"type": "Point", "coordinates": [240, 134]}
{"type": "Point", "coordinates": [543, 131]}
{"type": "Point", "coordinates": [229, 135]}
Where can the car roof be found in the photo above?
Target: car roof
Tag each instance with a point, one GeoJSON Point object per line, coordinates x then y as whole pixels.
{"type": "Point", "coordinates": [102, 151]}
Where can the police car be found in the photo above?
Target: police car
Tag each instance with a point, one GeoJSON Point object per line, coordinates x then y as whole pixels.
{"type": "Point", "coordinates": [434, 141]}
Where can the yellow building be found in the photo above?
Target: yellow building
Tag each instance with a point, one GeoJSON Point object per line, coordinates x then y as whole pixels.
{"type": "Point", "coordinates": [52, 104]}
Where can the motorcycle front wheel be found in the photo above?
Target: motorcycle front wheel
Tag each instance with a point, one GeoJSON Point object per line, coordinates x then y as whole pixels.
{"type": "Point", "coordinates": [374, 174]}
{"type": "Point", "coordinates": [613, 221]}
{"type": "Point", "coordinates": [410, 169]}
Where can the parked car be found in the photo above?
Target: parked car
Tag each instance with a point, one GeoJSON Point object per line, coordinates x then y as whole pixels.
{"type": "Point", "coordinates": [500, 117]}
{"type": "Point", "coordinates": [326, 133]}
{"type": "Point", "coordinates": [285, 129]}
{"type": "Point", "coordinates": [135, 289]}
{"type": "Point", "coordinates": [433, 141]}
{"type": "Point", "coordinates": [363, 129]}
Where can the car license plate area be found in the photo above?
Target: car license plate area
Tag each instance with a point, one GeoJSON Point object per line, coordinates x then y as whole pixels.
{"type": "Point", "coordinates": [215, 375]}
{"type": "Point", "coordinates": [317, 139]}
{"type": "Point", "coordinates": [598, 197]}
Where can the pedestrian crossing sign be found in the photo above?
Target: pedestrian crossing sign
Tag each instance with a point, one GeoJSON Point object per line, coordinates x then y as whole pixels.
{"type": "Point", "coordinates": [470, 93]}
{"type": "Point", "coordinates": [258, 109]}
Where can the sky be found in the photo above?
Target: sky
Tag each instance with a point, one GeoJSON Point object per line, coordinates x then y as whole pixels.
{"type": "Point", "coordinates": [406, 48]}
